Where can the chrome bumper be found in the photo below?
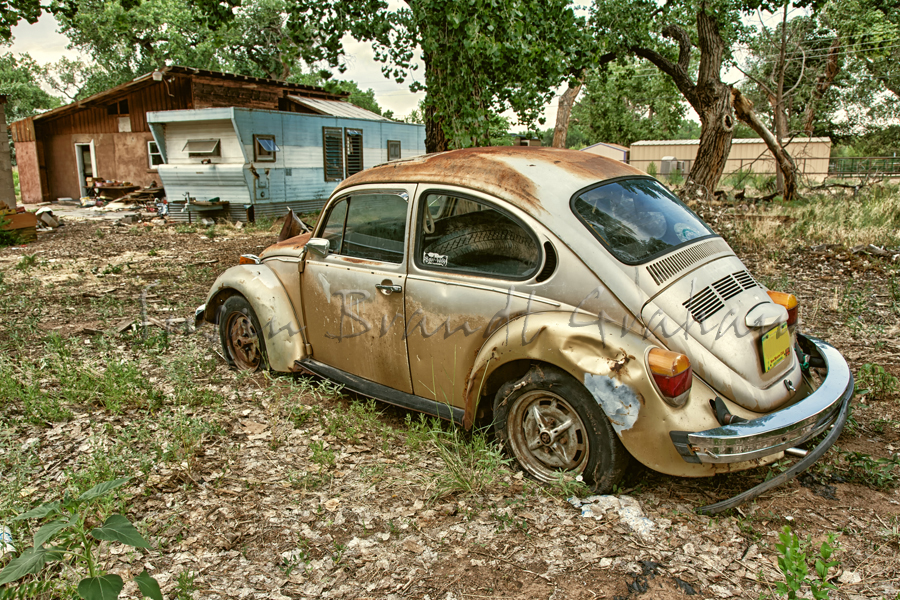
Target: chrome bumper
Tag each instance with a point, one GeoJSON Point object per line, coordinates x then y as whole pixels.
{"type": "Point", "coordinates": [782, 429]}
{"type": "Point", "coordinates": [199, 315]}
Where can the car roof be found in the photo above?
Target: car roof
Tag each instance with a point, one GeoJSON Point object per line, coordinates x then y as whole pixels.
{"type": "Point", "coordinates": [535, 179]}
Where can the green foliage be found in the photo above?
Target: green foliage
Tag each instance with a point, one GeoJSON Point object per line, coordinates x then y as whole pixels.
{"type": "Point", "coordinates": [793, 562]}
{"type": "Point", "coordinates": [20, 80]}
{"type": "Point", "coordinates": [861, 468]}
{"type": "Point", "coordinates": [876, 381]}
{"type": "Point", "coordinates": [471, 462]}
{"type": "Point", "coordinates": [77, 546]}
{"type": "Point", "coordinates": [27, 262]}
{"type": "Point", "coordinates": [628, 101]}
{"type": "Point", "coordinates": [481, 58]}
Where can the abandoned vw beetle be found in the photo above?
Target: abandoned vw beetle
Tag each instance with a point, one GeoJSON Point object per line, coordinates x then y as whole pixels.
{"type": "Point", "coordinates": [569, 299]}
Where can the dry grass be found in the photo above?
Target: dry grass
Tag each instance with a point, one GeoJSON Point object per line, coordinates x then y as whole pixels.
{"type": "Point", "coordinates": [871, 216]}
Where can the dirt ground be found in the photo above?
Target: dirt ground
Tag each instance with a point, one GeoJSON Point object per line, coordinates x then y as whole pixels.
{"type": "Point", "coordinates": [279, 488]}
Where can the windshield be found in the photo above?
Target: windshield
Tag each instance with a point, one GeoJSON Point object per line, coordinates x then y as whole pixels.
{"type": "Point", "coordinates": [637, 219]}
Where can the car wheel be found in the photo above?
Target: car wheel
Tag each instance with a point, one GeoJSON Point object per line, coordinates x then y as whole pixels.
{"type": "Point", "coordinates": [550, 423]}
{"type": "Point", "coordinates": [241, 335]}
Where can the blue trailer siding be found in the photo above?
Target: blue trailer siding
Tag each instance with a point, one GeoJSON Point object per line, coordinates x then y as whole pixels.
{"type": "Point", "coordinates": [296, 177]}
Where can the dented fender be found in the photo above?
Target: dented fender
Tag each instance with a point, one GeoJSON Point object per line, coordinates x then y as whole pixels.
{"type": "Point", "coordinates": [281, 330]}
{"type": "Point", "coordinates": [611, 362]}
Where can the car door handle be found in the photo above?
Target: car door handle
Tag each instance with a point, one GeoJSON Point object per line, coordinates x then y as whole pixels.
{"type": "Point", "coordinates": [388, 289]}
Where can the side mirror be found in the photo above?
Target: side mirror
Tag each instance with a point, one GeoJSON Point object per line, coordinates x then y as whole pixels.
{"type": "Point", "coordinates": [319, 246]}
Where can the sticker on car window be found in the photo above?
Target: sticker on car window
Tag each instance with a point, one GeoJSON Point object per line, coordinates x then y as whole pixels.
{"type": "Point", "coordinates": [686, 233]}
{"type": "Point", "coordinates": [434, 259]}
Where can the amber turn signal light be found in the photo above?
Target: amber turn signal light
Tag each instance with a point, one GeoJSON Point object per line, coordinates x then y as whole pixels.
{"type": "Point", "coordinates": [789, 301]}
{"type": "Point", "coordinates": [248, 259]}
{"type": "Point", "coordinates": [672, 373]}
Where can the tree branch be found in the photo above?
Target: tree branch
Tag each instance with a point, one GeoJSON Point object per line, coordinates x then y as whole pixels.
{"type": "Point", "coordinates": [682, 80]}
{"type": "Point", "coordinates": [673, 32]}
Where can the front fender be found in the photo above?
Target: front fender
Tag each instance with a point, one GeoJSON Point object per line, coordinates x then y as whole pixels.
{"type": "Point", "coordinates": [610, 360]}
{"type": "Point", "coordinates": [281, 330]}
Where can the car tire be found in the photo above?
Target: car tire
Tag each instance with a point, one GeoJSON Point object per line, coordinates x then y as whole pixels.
{"type": "Point", "coordinates": [588, 446]}
{"type": "Point", "coordinates": [500, 240]}
{"type": "Point", "coordinates": [241, 335]}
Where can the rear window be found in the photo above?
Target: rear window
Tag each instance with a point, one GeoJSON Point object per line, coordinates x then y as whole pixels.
{"type": "Point", "coordinates": [637, 219]}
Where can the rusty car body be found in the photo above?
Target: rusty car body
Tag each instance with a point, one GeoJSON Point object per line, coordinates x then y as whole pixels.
{"type": "Point", "coordinates": [568, 299]}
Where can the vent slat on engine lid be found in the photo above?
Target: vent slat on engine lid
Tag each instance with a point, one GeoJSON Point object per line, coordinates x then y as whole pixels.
{"type": "Point", "coordinates": [669, 266]}
{"type": "Point", "coordinates": [712, 298]}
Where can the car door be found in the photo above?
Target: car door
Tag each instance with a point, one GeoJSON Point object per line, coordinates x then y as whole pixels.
{"type": "Point", "coordinates": [353, 297]}
{"type": "Point", "coordinates": [475, 266]}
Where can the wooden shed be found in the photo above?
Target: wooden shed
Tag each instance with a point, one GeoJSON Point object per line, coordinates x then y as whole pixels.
{"type": "Point", "coordinates": [811, 155]}
{"type": "Point", "coordinates": [260, 162]}
{"type": "Point", "coordinates": [106, 135]}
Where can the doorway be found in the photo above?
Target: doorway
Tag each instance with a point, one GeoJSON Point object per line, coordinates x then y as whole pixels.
{"type": "Point", "coordinates": [86, 163]}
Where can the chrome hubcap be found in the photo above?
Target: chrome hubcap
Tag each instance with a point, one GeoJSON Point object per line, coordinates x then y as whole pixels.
{"type": "Point", "coordinates": [547, 435]}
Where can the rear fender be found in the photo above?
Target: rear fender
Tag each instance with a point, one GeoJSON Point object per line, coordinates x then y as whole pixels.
{"type": "Point", "coordinates": [282, 333]}
{"type": "Point", "coordinates": [610, 361]}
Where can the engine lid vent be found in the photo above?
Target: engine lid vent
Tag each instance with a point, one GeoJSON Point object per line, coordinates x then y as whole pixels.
{"type": "Point", "coordinates": [712, 298]}
{"type": "Point", "coordinates": [669, 266]}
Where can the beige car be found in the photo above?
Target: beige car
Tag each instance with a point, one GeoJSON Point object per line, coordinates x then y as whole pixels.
{"type": "Point", "coordinates": [568, 299]}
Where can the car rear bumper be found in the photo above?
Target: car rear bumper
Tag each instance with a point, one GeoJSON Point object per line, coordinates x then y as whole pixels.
{"type": "Point", "coordinates": [782, 429]}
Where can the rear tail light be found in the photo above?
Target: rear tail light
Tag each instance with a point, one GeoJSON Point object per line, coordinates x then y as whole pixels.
{"type": "Point", "coordinates": [789, 301]}
{"type": "Point", "coordinates": [672, 373]}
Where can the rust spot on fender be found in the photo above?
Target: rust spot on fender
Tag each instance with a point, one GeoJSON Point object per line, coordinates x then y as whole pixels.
{"type": "Point", "coordinates": [618, 364]}
{"type": "Point", "coordinates": [292, 244]}
{"type": "Point", "coordinates": [489, 170]}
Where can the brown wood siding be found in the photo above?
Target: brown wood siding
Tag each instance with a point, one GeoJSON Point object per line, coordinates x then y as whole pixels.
{"type": "Point", "coordinates": [211, 93]}
{"type": "Point", "coordinates": [23, 131]}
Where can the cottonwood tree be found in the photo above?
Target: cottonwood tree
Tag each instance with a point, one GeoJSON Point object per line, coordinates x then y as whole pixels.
{"type": "Point", "coordinates": [666, 35]}
{"type": "Point", "coordinates": [480, 58]}
{"type": "Point", "coordinates": [629, 101]}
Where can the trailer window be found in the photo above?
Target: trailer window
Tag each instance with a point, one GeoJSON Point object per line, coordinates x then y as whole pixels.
{"type": "Point", "coordinates": [264, 148]}
{"type": "Point", "coordinates": [354, 151]}
{"type": "Point", "coordinates": [333, 151]}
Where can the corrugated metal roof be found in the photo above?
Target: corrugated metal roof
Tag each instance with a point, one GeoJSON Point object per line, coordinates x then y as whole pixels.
{"type": "Point", "coordinates": [338, 109]}
{"type": "Point", "coordinates": [733, 141]}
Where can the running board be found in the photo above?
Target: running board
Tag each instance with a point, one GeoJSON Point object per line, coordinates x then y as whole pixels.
{"type": "Point", "coordinates": [382, 392]}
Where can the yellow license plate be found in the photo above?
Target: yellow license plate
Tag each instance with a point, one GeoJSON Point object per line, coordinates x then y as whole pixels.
{"type": "Point", "coordinates": [776, 346]}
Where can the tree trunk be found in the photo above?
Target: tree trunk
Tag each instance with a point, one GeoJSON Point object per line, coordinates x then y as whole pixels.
{"type": "Point", "coordinates": [823, 82]}
{"type": "Point", "coordinates": [435, 137]}
{"type": "Point", "coordinates": [566, 101]}
{"type": "Point", "coordinates": [716, 131]}
{"type": "Point", "coordinates": [743, 109]}
{"type": "Point", "coordinates": [712, 101]}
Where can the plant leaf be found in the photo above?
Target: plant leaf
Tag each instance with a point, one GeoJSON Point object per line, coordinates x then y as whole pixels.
{"type": "Point", "coordinates": [119, 529]}
{"type": "Point", "coordinates": [49, 530]}
{"type": "Point", "coordinates": [30, 561]}
{"type": "Point", "coordinates": [50, 508]}
{"type": "Point", "coordinates": [106, 587]}
{"type": "Point", "coordinates": [148, 586]}
{"type": "Point", "coordinates": [103, 488]}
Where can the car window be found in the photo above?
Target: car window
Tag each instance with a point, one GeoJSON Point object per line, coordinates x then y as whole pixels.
{"type": "Point", "coordinates": [369, 226]}
{"type": "Point", "coordinates": [334, 226]}
{"type": "Point", "coordinates": [462, 234]}
{"type": "Point", "coordinates": [637, 219]}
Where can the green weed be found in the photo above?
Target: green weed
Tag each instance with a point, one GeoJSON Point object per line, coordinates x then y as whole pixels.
{"type": "Point", "coordinates": [76, 544]}
{"type": "Point", "coordinates": [873, 379]}
{"type": "Point", "coordinates": [27, 262]}
{"type": "Point", "coordinates": [793, 562]}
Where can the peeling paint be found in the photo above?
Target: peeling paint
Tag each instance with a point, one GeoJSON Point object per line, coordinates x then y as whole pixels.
{"type": "Point", "coordinates": [617, 400]}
